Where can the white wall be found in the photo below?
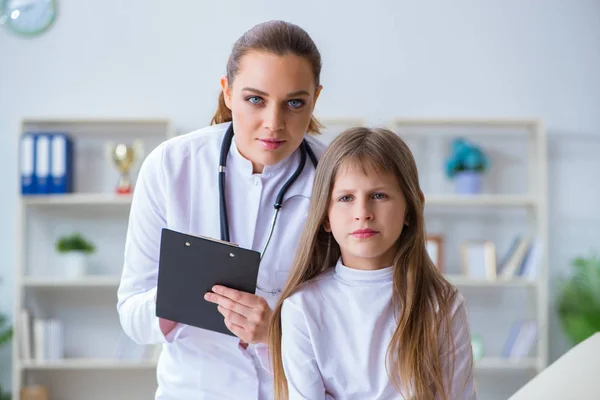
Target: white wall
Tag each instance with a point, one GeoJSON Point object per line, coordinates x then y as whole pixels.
{"type": "Point", "coordinates": [382, 59]}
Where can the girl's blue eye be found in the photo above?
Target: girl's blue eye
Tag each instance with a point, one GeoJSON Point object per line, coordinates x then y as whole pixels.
{"type": "Point", "coordinates": [379, 196]}
{"type": "Point", "coordinates": [296, 103]}
{"type": "Point", "coordinates": [345, 198]}
{"type": "Point", "coordinates": [254, 99]}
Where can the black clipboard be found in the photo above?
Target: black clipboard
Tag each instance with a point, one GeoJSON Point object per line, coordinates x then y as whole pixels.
{"type": "Point", "coordinates": [189, 266]}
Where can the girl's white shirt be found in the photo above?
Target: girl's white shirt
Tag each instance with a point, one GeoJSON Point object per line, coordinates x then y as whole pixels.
{"type": "Point", "coordinates": [177, 188]}
{"type": "Point", "coordinates": [335, 333]}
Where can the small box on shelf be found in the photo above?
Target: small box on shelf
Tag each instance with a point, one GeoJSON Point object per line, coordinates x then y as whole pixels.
{"type": "Point", "coordinates": [518, 265]}
{"type": "Point", "coordinates": [479, 259]}
{"type": "Point", "coordinates": [40, 339]}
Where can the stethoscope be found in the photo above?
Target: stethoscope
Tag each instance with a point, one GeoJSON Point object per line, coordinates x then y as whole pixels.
{"type": "Point", "coordinates": [225, 145]}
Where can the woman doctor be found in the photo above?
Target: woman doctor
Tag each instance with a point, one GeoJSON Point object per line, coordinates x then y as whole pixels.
{"type": "Point", "coordinates": [268, 97]}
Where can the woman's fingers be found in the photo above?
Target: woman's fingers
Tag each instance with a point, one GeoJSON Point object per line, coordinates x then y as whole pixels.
{"type": "Point", "coordinates": [227, 303]}
{"type": "Point", "coordinates": [247, 299]}
{"type": "Point", "coordinates": [246, 315]}
{"type": "Point", "coordinates": [232, 316]}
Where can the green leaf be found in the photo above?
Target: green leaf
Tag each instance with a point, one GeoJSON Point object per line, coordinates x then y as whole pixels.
{"type": "Point", "coordinates": [578, 299]}
{"type": "Point", "coordinates": [5, 332]}
{"type": "Point", "coordinates": [74, 242]}
{"type": "Point", "coordinates": [5, 336]}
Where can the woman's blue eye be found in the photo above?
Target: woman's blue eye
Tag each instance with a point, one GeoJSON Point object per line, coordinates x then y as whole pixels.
{"type": "Point", "coordinates": [254, 99]}
{"type": "Point", "coordinates": [345, 198]}
{"type": "Point", "coordinates": [296, 103]}
{"type": "Point", "coordinates": [379, 196]}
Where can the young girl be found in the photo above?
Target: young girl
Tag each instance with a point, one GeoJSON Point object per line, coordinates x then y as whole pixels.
{"type": "Point", "coordinates": [365, 313]}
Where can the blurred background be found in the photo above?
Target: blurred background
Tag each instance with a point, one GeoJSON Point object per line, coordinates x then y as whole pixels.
{"type": "Point", "coordinates": [498, 100]}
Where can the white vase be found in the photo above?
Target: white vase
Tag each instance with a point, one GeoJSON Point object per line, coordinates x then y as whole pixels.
{"type": "Point", "coordinates": [468, 182]}
{"type": "Point", "coordinates": [73, 264]}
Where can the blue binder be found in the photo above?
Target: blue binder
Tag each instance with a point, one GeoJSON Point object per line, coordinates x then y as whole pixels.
{"type": "Point", "coordinates": [42, 163]}
{"type": "Point", "coordinates": [61, 163]}
{"type": "Point", "coordinates": [27, 161]}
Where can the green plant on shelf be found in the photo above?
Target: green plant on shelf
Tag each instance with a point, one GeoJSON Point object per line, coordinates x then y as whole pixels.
{"type": "Point", "coordinates": [74, 242]}
{"type": "Point", "coordinates": [579, 299]}
{"type": "Point", "coordinates": [6, 333]}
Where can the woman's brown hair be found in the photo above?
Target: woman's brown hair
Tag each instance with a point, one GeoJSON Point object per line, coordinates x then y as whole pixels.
{"type": "Point", "coordinates": [423, 299]}
{"type": "Point", "coordinates": [276, 37]}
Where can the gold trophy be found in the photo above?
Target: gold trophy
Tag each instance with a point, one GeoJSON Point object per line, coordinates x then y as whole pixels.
{"type": "Point", "coordinates": [124, 157]}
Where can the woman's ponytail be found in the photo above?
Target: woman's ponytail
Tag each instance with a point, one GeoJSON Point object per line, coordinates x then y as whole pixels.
{"type": "Point", "coordinates": [223, 113]}
{"type": "Point", "coordinates": [314, 126]}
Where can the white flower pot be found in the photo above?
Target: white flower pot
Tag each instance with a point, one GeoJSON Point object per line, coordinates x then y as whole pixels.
{"type": "Point", "coordinates": [73, 264]}
{"type": "Point", "coordinates": [468, 182]}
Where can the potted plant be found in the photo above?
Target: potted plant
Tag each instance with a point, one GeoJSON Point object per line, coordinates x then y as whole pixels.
{"type": "Point", "coordinates": [578, 299]}
{"type": "Point", "coordinates": [466, 165]}
{"type": "Point", "coordinates": [74, 251]}
{"type": "Point", "coordinates": [6, 334]}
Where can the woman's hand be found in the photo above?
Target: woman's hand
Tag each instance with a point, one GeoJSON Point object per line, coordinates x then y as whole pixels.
{"type": "Point", "coordinates": [166, 326]}
{"type": "Point", "coordinates": [246, 315]}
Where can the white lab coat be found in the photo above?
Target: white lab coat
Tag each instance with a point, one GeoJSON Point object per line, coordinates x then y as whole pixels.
{"type": "Point", "coordinates": [177, 188]}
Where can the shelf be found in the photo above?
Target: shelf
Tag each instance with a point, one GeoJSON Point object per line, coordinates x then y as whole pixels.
{"type": "Point", "coordinates": [62, 283]}
{"type": "Point", "coordinates": [87, 364]}
{"type": "Point", "coordinates": [497, 363]}
{"type": "Point", "coordinates": [487, 200]}
{"type": "Point", "coordinates": [94, 364]}
{"type": "Point", "coordinates": [95, 121]}
{"type": "Point", "coordinates": [464, 281]}
{"type": "Point", "coordinates": [113, 282]}
{"type": "Point", "coordinates": [72, 199]}
{"type": "Point", "coordinates": [99, 364]}
{"type": "Point", "coordinates": [86, 306]}
{"type": "Point", "coordinates": [506, 364]}
{"type": "Point", "coordinates": [104, 127]}
{"type": "Point", "coordinates": [466, 122]}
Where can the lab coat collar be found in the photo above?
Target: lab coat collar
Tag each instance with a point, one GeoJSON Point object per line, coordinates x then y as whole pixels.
{"type": "Point", "coordinates": [282, 170]}
{"type": "Point", "coordinates": [244, 165]}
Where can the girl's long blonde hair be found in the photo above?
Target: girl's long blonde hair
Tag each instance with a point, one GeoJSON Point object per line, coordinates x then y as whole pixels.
{"type": "Point", "coordinates": [423, 298]}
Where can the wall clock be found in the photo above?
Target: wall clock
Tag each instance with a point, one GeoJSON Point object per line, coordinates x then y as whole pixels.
{"type": "Point", "coordinates": [28, 17]}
